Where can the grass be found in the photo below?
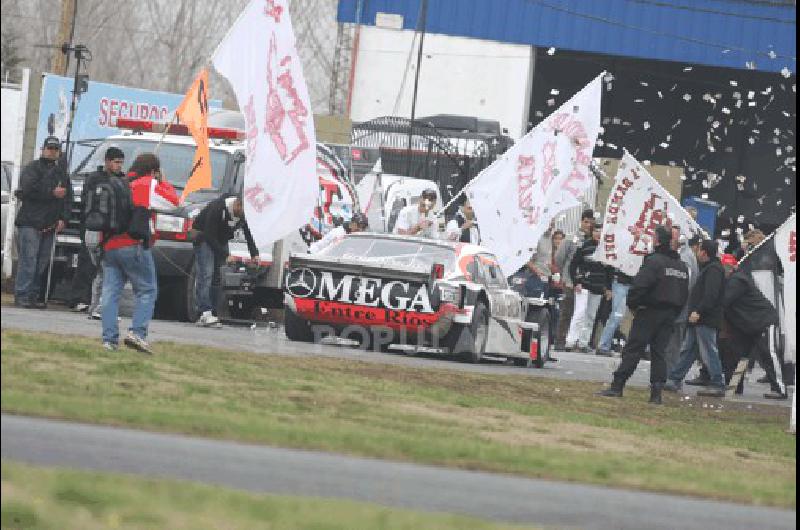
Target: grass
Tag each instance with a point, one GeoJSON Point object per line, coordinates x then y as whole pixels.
{"type": "Point", "coordinates": [527, 426]}
{"type": "Point", "coordinates": [36, 498]}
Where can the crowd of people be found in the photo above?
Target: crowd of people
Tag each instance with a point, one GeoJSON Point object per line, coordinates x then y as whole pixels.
{"type": "Point", "coordinates": [117, 235]}
{"type": "Point", "coordinates": [689, 302]}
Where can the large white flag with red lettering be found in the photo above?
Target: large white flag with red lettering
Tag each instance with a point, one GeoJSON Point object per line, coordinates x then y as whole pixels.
{"type": "Point", "coordinates": [259, 58]}
{"type": "Point", "coordinates": [544, 173]}
{"type": "Point", "coordinates": [786, 245]}
{"type": "Point", "coordinates": [636, 206]}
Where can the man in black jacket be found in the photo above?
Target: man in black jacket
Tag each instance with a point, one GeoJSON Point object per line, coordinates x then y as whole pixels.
{"type": "Point", "coordinates": [214, 227]}
{"type": "Point", "coordinates": [748, 315]}
{"type": "Point", "coordinates": [81, 295]}
{"type": "Point", "coordinates": [705, 320]}
{"type": "Point", "coordinates": [592, 281]}
{"type": "Point", "coordinates": [46, 194]}
{"type": "Point", "coordinates": [658, 293]}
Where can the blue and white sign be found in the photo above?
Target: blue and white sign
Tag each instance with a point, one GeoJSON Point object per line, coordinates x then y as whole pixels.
{"type": "Point", "coordinates": [97, 108]}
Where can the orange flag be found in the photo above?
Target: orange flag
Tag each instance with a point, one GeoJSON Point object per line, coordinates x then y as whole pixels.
{"type": "Point", "coordinates": [193, 112]}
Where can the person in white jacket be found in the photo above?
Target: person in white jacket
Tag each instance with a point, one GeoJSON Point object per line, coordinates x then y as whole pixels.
{"type": "Point", "coordinates": [358, 223]}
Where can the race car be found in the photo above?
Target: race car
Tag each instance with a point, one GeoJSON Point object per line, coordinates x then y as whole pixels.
{"type": "Point", "coordinates": [388, 291]}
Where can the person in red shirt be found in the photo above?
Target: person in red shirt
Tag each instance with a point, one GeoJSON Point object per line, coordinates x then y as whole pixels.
{"type": "Point", "coordinates": [128, 258]}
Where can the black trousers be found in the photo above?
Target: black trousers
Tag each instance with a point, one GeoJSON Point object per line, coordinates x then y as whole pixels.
{"type": "Point", "coordinates": [764, 347]}
{"type": "Point", "coordinates": [651, 327]}
{"type": "Point", "coordinates": [81, 290]}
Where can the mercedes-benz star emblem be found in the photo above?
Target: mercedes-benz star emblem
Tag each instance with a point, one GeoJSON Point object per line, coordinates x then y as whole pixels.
{"type": "Point", "coordinates": [301, 283]}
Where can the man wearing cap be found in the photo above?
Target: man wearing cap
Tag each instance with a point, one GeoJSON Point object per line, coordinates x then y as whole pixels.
{"type": "Point", "coordinates": [85, 274]}
{"type": "Point", "coordinates": [46, 194]}
{"type": "Point", "coordinates": [418, 219]}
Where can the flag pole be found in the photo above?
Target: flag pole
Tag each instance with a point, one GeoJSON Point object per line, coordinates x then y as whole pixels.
{"type": "Point", "coordinates": [702, 230]}
{"type": "Point", "coordinates": [505, 155]}
{"type": "Point", "coordinates": [166, 130]}
{"type": "Point", "coordinates": [772, 235]}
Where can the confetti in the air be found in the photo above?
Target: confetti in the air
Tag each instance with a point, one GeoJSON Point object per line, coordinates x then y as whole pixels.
{"type": "Point", "coordinates": [785, 72]}
{"type": "Point", "coordinates": [551, 51]}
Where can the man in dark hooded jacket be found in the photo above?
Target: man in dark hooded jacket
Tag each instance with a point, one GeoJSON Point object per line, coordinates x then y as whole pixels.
{"type": "Point", "coordinates": [748, 315]}
{"type": "Point", "coordinates": [705, 320]}
{"type": "Point", "coordinates": [658, 293]}
{"type": "Point", "coordinates": [46, 194]}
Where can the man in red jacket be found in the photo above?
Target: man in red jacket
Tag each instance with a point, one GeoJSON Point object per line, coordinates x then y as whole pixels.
{"type": "Point", "coordinates": [129, 259]}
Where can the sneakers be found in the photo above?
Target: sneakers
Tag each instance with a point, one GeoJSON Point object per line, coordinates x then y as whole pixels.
{"type": "Point", "coordinates": [207, 319]}
{"type": "Point", "coordinates": [137, 343]}
{"type": "Point", "coordinates": [712, 392]}
{"type": "Point", "coordinates": [96, 315]}
{"type": "Point", "coordinates": [673, 386]}
{"type": "Point", "coordinates": [776, 395]}
{"type": "Point", "coordinates": [604, 353]}
{"type": "Point", "coordinates": [110, 346]}
{"type": "Point", "coordinates": [80, 307]}
{"type": "Point", "coordinates": [699, 381]}
{"type": "Point", "coordinates": [763, 380]}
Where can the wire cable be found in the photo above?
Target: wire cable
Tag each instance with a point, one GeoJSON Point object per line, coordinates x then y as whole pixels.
{"type": "Point", "coordinates": [684, 38]}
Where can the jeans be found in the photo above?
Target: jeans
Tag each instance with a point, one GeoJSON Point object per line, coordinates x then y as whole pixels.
{"type": "Point", "coordinates": [206, 267]}
{"type": "Point", "coordinates": [81, 291]}
{"type": "Point", "coordinates": [580, 329]}
{"type": "Point", "coordinates": [619, 295]}
{"type": "Point", "coordinates": [134, 264]}
{"type": "Point", "coordinates": [704, 339]}
{"type": "Point", "coordinates": [34, 247]}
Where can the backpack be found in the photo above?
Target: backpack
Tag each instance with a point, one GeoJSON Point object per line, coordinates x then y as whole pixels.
{"type": "Point", "coordinates": [109, 207]}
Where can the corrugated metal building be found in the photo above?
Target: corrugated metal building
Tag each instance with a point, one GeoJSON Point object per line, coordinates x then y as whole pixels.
{"type": "Point", "coordinates": [726, 33]}
{"type": "Point", "coordinates": [705, 85]}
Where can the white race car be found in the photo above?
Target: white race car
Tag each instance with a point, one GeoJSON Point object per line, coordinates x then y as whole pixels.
{"type": "Point", "coordinates": [385, 291]}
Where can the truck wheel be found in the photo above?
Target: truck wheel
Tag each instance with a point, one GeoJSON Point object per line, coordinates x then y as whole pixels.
{"type": "Point", "coordinates": [469, 342]}
{"type": "Point", "coordinates": [296, 328]}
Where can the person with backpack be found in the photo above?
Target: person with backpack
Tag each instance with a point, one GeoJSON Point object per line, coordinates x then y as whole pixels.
{"type": "Point", "coordinates": [88, 264]}
{"type": "Point", "coordinates": [46, 195]}
{"type": "Point", "coordinates": [126, 245]}
{"type": "Point", "coordinates": [212, 229]}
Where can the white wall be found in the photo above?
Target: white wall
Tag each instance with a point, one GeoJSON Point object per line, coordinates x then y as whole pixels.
{"type": "Point", "coordinates": [470, 77]}
{"type": "Point", "coordinates": [9, 114]}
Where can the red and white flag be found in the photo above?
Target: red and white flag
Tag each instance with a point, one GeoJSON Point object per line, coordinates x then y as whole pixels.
{"type": "Point", "coordinates": [543, 174]}
{"type": "Point", "coordinates": [636, 205]}
{"type": "Point", "coordinates": [786, 246]}
{"type": "Point", "coordinates": [259, 58]}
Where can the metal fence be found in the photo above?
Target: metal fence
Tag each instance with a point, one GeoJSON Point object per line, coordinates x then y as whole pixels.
{"type": "Point", "coordinates": [417, 149]}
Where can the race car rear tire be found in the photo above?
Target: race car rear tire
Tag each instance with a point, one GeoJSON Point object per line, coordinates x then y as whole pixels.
{"type": "Point", "coordinates": [296, 329]}
{"type": "Point", "coordinates": [469, 341]}
{"type": "Point", "coordinates": [541, 317]}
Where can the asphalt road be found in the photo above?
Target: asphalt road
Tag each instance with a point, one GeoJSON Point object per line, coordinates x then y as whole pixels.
{"type": "Point", "coordinates": [266, 340]}
{"type": "Point", "coordinates": [402, 485]}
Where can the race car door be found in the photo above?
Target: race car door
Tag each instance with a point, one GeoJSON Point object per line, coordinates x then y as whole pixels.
{"type": "Point", "coordinates": [504, 313]}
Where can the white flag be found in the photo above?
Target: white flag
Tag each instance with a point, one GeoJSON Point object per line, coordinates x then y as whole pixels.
{"type": "Point", "coordinates": [544, 173]}
{"type": "Point", "coordinates": [786, 245]}
{"type": "Point", "coordinates": [636, 206]}
{"type": "Point", "coordinates": [259, 58]}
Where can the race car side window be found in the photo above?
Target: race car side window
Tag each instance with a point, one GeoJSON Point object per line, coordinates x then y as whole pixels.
{"type": "Point", "coordinates": [475, 271]}
{"type": "Point", "coordinates": [494, 277]}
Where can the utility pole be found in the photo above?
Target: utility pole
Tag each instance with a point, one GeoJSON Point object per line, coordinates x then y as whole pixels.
{"type": "Point", "coordinates": [66, 32]}
{"type": "Point", "coordinates": [422, 24]}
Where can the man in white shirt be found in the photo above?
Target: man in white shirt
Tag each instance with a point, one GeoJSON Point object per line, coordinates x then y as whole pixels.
{"type": "Point", "coordinates": [418, 219]}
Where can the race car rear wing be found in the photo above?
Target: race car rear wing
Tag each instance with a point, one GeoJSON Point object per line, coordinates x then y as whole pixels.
{"type": "Point", "coordinates": [362, 269]}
